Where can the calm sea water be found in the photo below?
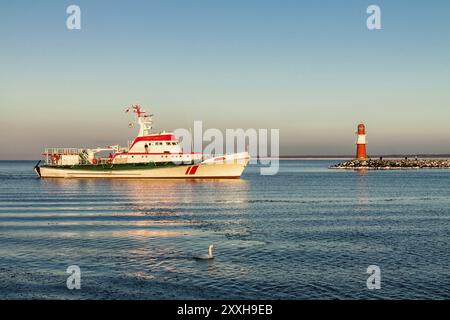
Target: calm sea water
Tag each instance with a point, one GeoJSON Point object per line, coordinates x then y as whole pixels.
{"type": "Point", "coordinates": [306, 233]}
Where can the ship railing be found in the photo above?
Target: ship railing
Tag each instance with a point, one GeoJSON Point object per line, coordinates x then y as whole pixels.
{"type": "Point", "coordinates": [63, 151]}
{"type": "Point", "coordinates": [51, 154]}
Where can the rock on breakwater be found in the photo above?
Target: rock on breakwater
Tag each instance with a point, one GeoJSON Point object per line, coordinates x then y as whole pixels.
{"type": "Point", "coordinates": [393, 164]}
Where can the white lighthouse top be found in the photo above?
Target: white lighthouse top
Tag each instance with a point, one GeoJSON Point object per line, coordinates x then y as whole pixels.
{"type": "Point", "coordinates": [145, 120]}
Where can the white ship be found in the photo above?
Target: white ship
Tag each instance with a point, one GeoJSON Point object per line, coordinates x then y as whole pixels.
{"type": "Point", "coordinates": [150, 155]}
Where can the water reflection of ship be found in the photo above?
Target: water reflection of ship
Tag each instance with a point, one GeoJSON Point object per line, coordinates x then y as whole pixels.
{"type": "Point", "coordinates": [155, 202]}
{"type": "Point", "coordinates": [147, 195]}
{"type": "Point", "coordinates": [155, 224]}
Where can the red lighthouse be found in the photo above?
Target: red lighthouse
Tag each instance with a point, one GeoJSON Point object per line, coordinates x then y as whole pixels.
{"type": "Point", "coordinates": [361, 143]}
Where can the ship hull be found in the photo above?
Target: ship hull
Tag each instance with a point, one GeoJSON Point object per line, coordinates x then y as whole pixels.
{"type": "Point", "coordinates": [227, 170]}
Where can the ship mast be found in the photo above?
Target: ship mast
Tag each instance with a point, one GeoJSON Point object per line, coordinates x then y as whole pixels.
{"type": "Point", "coordinates": [145, 120]}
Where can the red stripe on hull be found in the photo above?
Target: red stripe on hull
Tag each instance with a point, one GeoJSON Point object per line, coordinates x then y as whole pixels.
{"type": "Point", "coordinates": [193, 170]}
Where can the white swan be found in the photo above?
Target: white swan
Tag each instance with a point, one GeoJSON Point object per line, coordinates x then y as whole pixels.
{"type": "Point", "coordinates": [206, 256]}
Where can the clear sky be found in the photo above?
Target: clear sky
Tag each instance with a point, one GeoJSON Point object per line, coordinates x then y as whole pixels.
{"type": "Point", "coordinates": [309, 68]}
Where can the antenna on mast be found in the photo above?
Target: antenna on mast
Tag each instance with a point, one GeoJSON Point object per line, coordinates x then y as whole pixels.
{"type": "Point", "coordinates": [145, 120]}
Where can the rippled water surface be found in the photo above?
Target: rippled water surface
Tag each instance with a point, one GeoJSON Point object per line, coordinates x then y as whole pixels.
{"type": "Point", "coordinates": [306, 233]}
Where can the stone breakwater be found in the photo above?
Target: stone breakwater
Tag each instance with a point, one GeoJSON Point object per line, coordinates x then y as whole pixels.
{"type": "Point", "coordinates": [393, 164]}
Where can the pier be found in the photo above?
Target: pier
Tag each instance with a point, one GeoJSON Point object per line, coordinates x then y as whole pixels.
{"type": "Point", "coordinates": [394, 164]}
